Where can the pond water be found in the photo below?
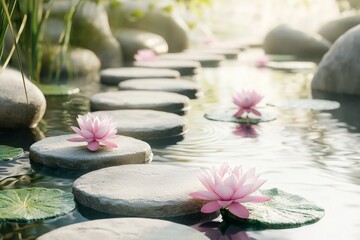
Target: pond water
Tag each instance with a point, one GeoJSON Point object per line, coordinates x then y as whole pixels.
{"type": "Point", "coordinates": [315, 154]}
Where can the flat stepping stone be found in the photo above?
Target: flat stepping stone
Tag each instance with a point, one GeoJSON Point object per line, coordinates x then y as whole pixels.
{"type": "Point", "coordinates": [183, 87]}
{"type": "Point", "coordinates": [125, 228]}
{"type": "Point", "coordinates": [114, 76]}
{"type": "Point", "coordinates": [146, 124]}
{"type": "Point", "coordinates": [152, 100]}
{"type": "Point", "coordinates": [58, 152]}
{"type": "Point", "coordinates": [184, 67]}
{"type": "Point", "coordinates": [293, 66]}
{"type": "Point", "coordinates": [228, 53]}
{"type": "Point", "coordinates": [140, 191]}
{"type": "Point", "coordinates": [205, 59]}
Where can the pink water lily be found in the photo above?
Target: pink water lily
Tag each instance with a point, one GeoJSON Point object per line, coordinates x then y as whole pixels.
{"type": "Point", "coordinates": [229, 188]}
{"type": "Point", "coordinates": [95, 131]}
{"type": "Point", "coordinates": [145, 55]}
{"type": "Point", "coordinates": [262, 61]}
{"type": "Point", "coordinates": [247, 101]}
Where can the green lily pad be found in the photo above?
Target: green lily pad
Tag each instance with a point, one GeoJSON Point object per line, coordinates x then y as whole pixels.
{"type": "Point", "coordinates": [292, 66]}
{"type": "Point", "coordinates": [9, 153]}
{"type": "Point", "coordinates": [284, 210]}
{"type": "Point", "coordinates": [227, 115]}
{"type": "Point", "coordinates": [310, 104]}
{"type": "Point", "coordinates": [30, 204]}
{"type": "Point", "coordinates": [57, 90]}
{"type": "Point", "coordinates": [282, 58]}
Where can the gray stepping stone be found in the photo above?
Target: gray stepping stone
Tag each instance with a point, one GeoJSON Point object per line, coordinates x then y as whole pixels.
{"type": "Point", "coordinates": [125, 228]}
{"type": "Point", "coordinates": [114, 76]}
{"type": "Point", "coordinates": [140, 191]}
{"type": "Point", "coordinates": [205, 59]}
{"type": "Point", "coordinates": [183, 87]}
{"type": "Point", "coordinates": [146, 124]}
{"type": "Point", "coordinates": [228, 53]}
{"type": "Point", "coordinates": [58, 152]}
{"type": "Point", "coordinates": [152, 100]}
{"type": "Point", "coordinates": [184, 67]}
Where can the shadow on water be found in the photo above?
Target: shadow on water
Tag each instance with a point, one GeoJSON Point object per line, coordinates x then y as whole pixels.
{"type": "Point", "coordinates": [22, 138]}
{"type": "Point", "coordinates": [348, 112]}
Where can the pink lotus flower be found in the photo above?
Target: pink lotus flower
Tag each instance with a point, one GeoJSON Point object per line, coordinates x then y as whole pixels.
{"type": "Point", "coordinates": [95, 131]}
{"type": "Point", "coordinates": [145, 55]}
{"type": "Point", "coordinates": [228, 188]}
{"type": "Point", "coordinates": [262, 61]}
{"type": "Point", "coordinates": [247, 101]}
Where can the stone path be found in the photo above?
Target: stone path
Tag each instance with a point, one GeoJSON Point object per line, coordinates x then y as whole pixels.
{"type": "Point", "coordinates": [184, 67]}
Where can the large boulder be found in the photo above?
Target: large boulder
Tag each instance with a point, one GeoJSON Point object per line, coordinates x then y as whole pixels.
{"type": "Point", "coordinates": [339, 70]}
{"type": "Point", "coordinates": [332, 30]}
{"type": "Point", "coordinates": [16, 112]}
{"type": "Point", "coordinates": [284, 40]}
{"type": "Point", "coordinates": [167, 24]}
{"type": "Point", "coordinates": [90, 29]}
{"type": "Point", "coordinates": [77, 62]}
{"type": "Point", "coordinates": [132, 40]}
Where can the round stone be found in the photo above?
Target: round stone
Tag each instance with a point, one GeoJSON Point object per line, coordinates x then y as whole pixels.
{"type": "Point", "coordinates": [183, 87]}
{"type": "Point", "coordinates": [205, 59]}
{"type": "Point", "coordinates": [140, 191]}
{"type": "Point", "coordinates": [146, 124]}
{"type": "Point", "coordinates": [228, 53]}
{"type": "Point", "coordinates": [114, 76]}
{"type": "Point", "coordinates": [184, 67]}
{"type": "Point", "coordinates": [58, 152]}
{"type": "Point", "coordinates": [152, 100]}
{"type": "Point", "coordinates": [125, 228]}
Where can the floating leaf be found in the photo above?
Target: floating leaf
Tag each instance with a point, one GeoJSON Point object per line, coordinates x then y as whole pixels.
{"type": "Point", "coordinates": [9, 153]}
{"type": "Point", "coordinates": [57, 90]}
{"type": "Point", "coordinates": [310, 104]}
{"type": "Point", "coordinates": [292, 66]}
{"type": "Point", "coordinates": [30, 204]}
{"type": "Point", "coordinates": [282, 58]}
{"type": "Point", "coordinates": [227, 115]}
{"type": "Point", "coordinates": [285, 210]}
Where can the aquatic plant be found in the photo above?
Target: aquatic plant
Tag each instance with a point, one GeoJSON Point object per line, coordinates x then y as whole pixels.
{"type": "Point", "coordinates": [145, 55]}
{"type": "Point", "coordinates": [228, 188]}
{"type": "Point", "coordinates": [95, 131]}
{"type": "Point", "coordinates": [247, 101]}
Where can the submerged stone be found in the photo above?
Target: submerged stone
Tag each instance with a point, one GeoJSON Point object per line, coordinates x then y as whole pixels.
{"type": "Point", "coordinates": [288, 41]}
{"type": "Point", "coordinates": [114, 76]}
{"type": "Point", "coordinates": [183, 87]}
{"type": "Point", "coordinates": [140, 191]}
{"type": "Point", "coordinates": [146, 124]}
{"type": "Point", "coordinates": [15, 111]}
{"type": "Point", "coordinates": [339, 71]}
{"type": "Point", "coordinates": [58, 152]}
{"type": "Point", "coordinates": [125, 228]}
{"type": "Point", "coordinates": [184, 67]}
{"type": "Point", "coordinates": [151, 100]}
{"type": "Point", "coordinates": [205, 59]}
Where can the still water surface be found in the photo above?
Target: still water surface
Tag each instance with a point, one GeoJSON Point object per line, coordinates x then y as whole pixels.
{"type": "Point", "coordinates": [315, 154]}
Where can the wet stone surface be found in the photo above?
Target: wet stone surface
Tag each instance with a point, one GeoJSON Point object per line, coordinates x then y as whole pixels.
{"type": "Point", "coordinates": [58, 152]}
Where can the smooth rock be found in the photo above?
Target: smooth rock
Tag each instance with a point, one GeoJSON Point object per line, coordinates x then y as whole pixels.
{"type": "Point", "coordinates": [205, 59]}
{"type": "Point", "coordinates": [141, 191]}
{"type": "Point", "coordinates": [15, 111]}
{"type": "Point", "coordinates": [125, 228]}
{"type": "Point", "coordinates": [339, 70]}
{"type": "Point", "coordinates": [146, 124]}
{"type": "Point", "coordinates": [334, 29]}
{"type": "Point", "coordinates": [114, 76]}
{"type": "Point", "coordinates": [228, 53]}
{"type": "Point", "coordinates": [58, 152]}
{"type": "Point", "coordinates": [169, 25]}
{"type": "Point", "coordinates": [184, 67]}
{"type": "Point", "coordinates": [82, 62]}
{"type": "Point", "coordinates": [183, 87]}
{"type": "Point", "coordinates": [132, 40]}
{"type": "Point", "coordinates": [151, 100]}
{"type": "Point", "coordinates": [284, 40]}
{"type": "Point", "coordinates": [90, 29]}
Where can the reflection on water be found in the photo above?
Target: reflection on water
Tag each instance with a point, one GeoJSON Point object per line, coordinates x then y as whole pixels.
{"type": "Point", "coordinates": [315, 154]}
